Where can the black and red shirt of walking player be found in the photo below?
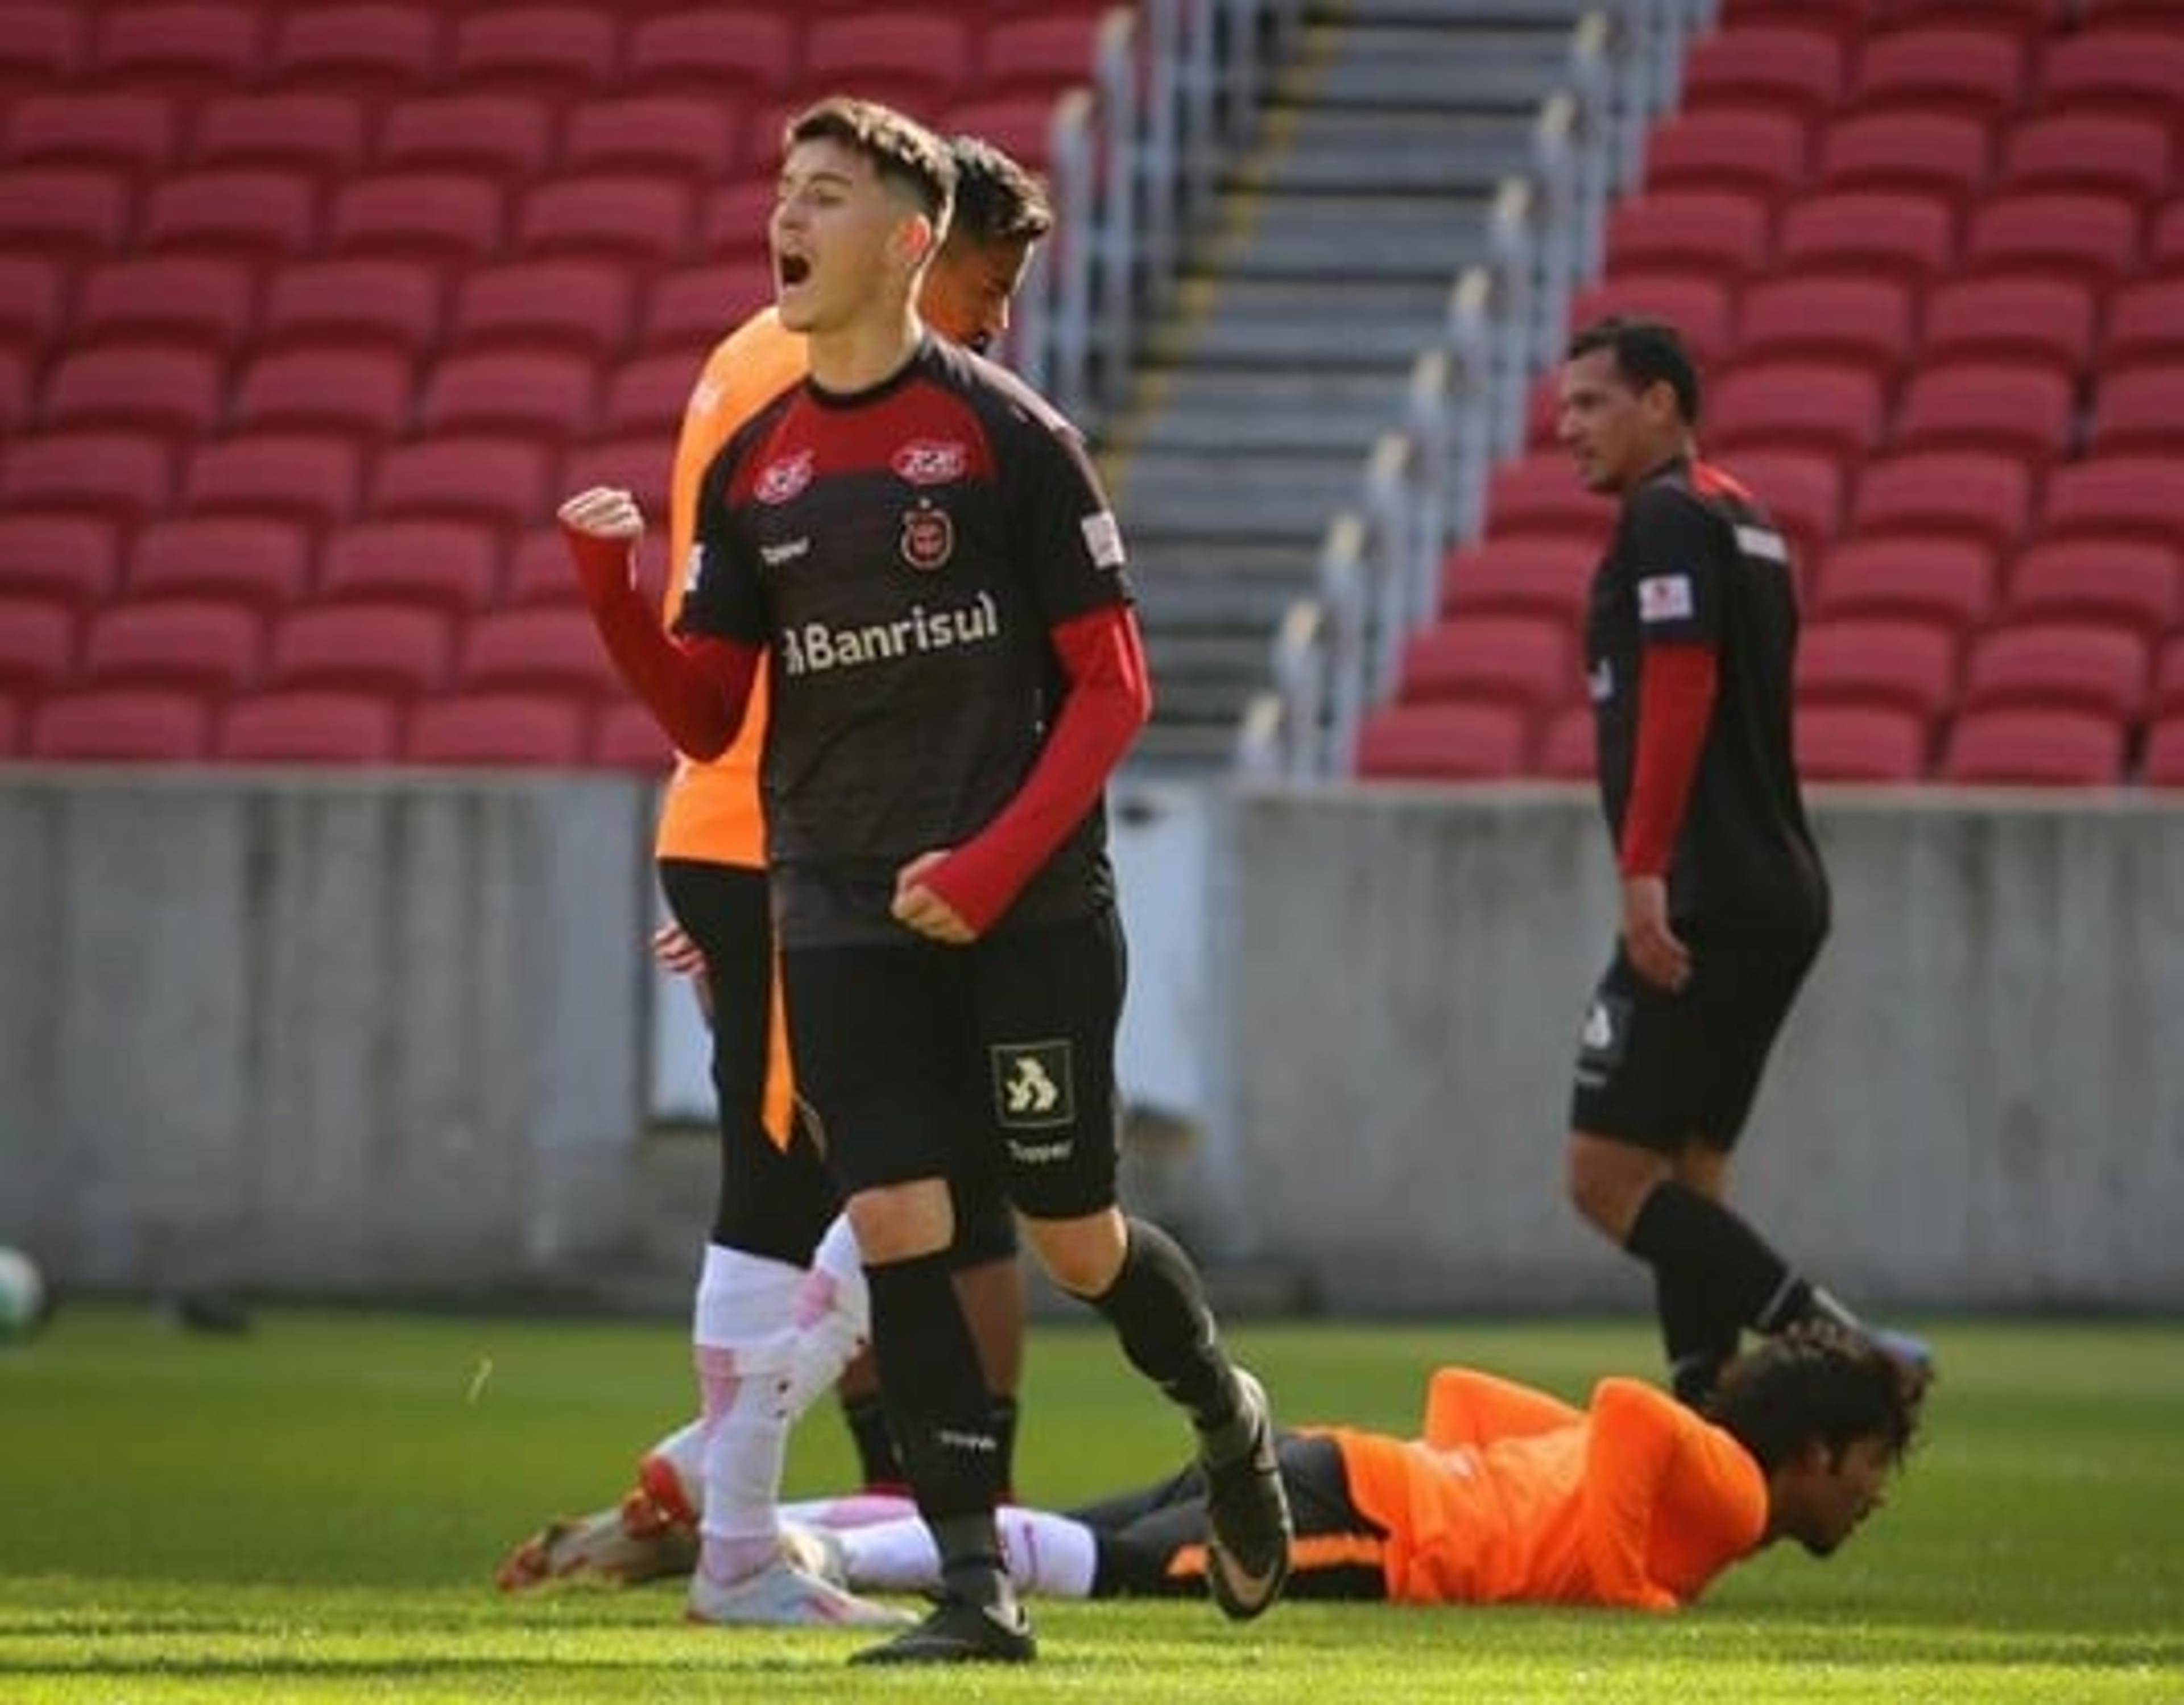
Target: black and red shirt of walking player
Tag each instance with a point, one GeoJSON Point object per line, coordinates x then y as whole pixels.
{"type": "Point", "coordinates": [935, 579]}
{"type": "Point", "coordinates": [1690, 644]}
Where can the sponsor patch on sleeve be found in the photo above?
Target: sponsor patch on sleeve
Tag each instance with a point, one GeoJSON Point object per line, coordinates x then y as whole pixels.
{"type": "Point", "coordinates": [1664, 598]}
{"type": "Point", "coordinates": [1103, 538]}
{"type": "Point", "coordinates": [693, 569]}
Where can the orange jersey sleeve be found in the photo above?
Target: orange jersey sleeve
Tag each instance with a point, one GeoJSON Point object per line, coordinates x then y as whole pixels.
{"type": "Point", "coordinates": [711, 811]}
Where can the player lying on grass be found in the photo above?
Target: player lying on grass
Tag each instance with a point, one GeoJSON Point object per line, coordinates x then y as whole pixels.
{"type": "Point", "coordinates": [1509, 1495]}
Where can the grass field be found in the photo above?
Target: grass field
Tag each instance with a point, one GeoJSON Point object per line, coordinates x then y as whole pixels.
{"type": "Point", "coordinates": [312, 1511]}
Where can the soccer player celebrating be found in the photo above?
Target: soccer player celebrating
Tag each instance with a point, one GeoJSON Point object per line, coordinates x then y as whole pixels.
{"type": "Point", "coordinates": [918, 548]}
{"type": "Point", "coordinates": [1691, 641]}
{"type": "Point", "coordinates": [1509, 1495]}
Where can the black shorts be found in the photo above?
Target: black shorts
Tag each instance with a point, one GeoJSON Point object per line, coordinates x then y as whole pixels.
{"type": "Point", "coordinates": [922, 1060]}
{"type": "Point", "coordinates": [1660, 1069]}
{"type": "Point", "coordinates": [776, 1201]}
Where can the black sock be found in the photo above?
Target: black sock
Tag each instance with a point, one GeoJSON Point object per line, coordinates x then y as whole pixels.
{"type": "Point", "coordinates": [934, 1390]}
{"type": "Point", "coordinates": [878, 1463]}
{"type": "Point", "coordinates": [1001, 1414]}
{"type": "Point", "coordinates": [1702, 1243]}
{"type": "Point", "coordinates": [1158, 1307]}
{"type": "Point", "coordinates": [1698, 1335]}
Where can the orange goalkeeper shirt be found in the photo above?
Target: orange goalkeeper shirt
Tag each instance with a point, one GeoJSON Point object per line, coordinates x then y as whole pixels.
{"type": "Point", "coordinates": [1513, 1495]}
{"type": "Point", "coordinates": [711, 811]}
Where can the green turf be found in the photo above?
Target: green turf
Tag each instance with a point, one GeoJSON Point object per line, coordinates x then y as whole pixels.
{"type": "Point", "coordinates": [313, 1511]}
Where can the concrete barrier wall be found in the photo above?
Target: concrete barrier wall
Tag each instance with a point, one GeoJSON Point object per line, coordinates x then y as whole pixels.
{"type": "Point", "coordinates": [1979, 1100]}
{"type": "Point", "coordinates": [314, 1034]}
{"type": "Point", "coordinates": [317, 1034]}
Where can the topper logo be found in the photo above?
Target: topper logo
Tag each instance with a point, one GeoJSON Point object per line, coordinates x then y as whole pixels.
{"type": "Point", "coordinates": [928, 462]}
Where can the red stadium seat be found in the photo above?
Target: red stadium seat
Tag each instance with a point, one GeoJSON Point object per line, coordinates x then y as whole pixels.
{"type": "Point", "coordinates": [322, 134]}
{"type": "Point", "coordinates": [2163, 764]}
{"type": "Point", "coordinates": [503, 138]}
{"type": "Point", "coordinates": [394, 651]}
{"type": "Point", "coordinates": [648, 395]}
{"type": "Point", "coordinates": [575, 306]}
{"type": "Point", "coordinates": [624, 736]}
{"type": "Point", "coordinates": [2164, 241]}
{"type": "Point", "coordinates": [2025, 411]}
{"type": "Point", "coordinates": [2145, 323]}
{"type": "Point", "coordinates": [148, 387]}
{"type": "Point", "coordinates": [1908, 666]}
{"type": "Point", "coordinates": [425, 215]}
{"type": "Point", "coordinates": [137, 133]}
{"type": "Point", "coordinates": [1038, 53]}
{"type": "Point", "coordinates": [447, 565]}
{"type": "Point", "coordinates": [1862, 322]}
{"type": "Point", "coordinates": [2137, 409]}
{"type": "Point", "coordinates": [1707, 233]}
{"type": "Point", "coordinates": [547, 648]}
{"type": "Point", "coordinates": [1567, 749]}
{"type": "Point", "coordinates": [2087, 152]}
{"type": "Point", "coordinates": [174, 298]}
{"type": "Point", "coordinates": [1818, 407]}
{"type": "Point", "coordinates": [1540, 494]}
{"type": "Point", "coordinates": [733, 54]}
{"type": "Point", "coordinates": [631, 217]}
{"type": "Point", "coordinates": [360, 48]}
{"type": "Point", "coordinates": [127, 475]}
{"type": "Point", "coordinates": [917, 60]}
{"type": "Point", "coordinates": [1444, 742]}
{"type": "Point", "coordinates": [120, 725]}
{"type": "Point", "coordinates": [2169, 676]}
{"type": "Point", "coordinates": [539, 571]}
{"type": "Point", "coordinates": [639, 461]}
{"type": "Point", "coordinates": [687, 137]}
{"type": "Point", "coordinates": [195, 645]}
{"type": "Point", "coordinates": [308, 726]}
{"type": "Point", "coordinates": [2030, 19]}
{"type": "Point", "coordinates": [1021, 126]}
{"type": "Point", "coordinates": [1945, 582]}
{"type": "Point", "coordinates": [68, 213]}
{"type": "Point", "coordinates": [1968, 71]}
{"type": "Point", "coordinates": [42, 42]}
{"type": "Point", "coordinates": [188, 46]}
{"type": "Point", "coordinates": [545, 51]}
{"type": "Point", "coordinates": [2130, 583]}
{"type": "Point", "coordinates": [2115, 497]}
{"type": "Point", "coordinates": [2121, 71]}
{"type": "Point", "coordinates": [1867, 233]}
{"type": "Point", "coordinates": [2010, 318]}
{"type": "Point", "coordinates": [362, 395]}
{"type": "Point", "coordinates": [2089, 239]}
{"type": "Point", "coordinates": [1975, 495]}
{"type": "Point", "coordinates": [305, 477]}
{"type": "Point", "coordinates": [65, 557]}
{"type": "Point", "coordinates": [2022, 747]}
{"type": "Point", "coordinates": [258, 214]}
{"type": "Point", "coordinates": [1526, 663]}
{"type": "Point", "coordinates": [690, 309]}
{"type": "Point", "coordinates": [249, 561]}
{"type": "Point", "coordinates": [1860, 743]}
{"type": "Point", "coordinates": [1917, 152]}
{"type": "Point", "coordinates": [34, 299]}
{"type": "Point", "coordinates": [1701, 308]}
{"type": "Point", "coordinates": [2076, 665]}
{"type": "Point", "coordinates": [1786, 67]}
{"type": "Point", "coordinates": [389, 304]}
{"type": "Point", "coordinates": [496, 729]}
{"type": "Point", "coordinates": [541, 396]}
{"type": "Point", "coordinates": [14, 388]}
{"type": "Point", "coordinates": [496, 481]}
{"type": "Point", "coordinates": [1518, 576]}
{"type": "Point", "coordinates": [1748, 151]}
{"type": "Point", "coordinates": [38, 643]}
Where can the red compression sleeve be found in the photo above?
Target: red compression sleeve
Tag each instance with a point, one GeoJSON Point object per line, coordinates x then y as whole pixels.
{"type": "Point", "coordinates": [1109, 697]}
{"type": "Point", "coordinates": [696, 688]}
{"type": "Point", "coordinates": [1675, 699]}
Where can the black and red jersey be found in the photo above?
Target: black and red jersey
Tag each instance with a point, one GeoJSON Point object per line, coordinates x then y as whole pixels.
{"type": "Point", "coordinates": [902, 554]}
{"type": "Point", "coordinates": [1696, 560]}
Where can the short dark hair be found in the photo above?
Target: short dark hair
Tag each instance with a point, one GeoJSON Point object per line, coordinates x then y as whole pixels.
{"type": "Point", "coordinates": [902, 151]}
{"type": "Point", "coordinates": [1816, 1382]}
{"type": "Point", "coordinates": [1647, 352]}
{"type": "Point", "coordinates": [996, 200]}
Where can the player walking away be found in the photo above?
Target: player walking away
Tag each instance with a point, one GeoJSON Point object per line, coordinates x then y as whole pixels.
{"type": "Point", "coordinates": [1690, 639]}
{"type": "Point", "coordinates": [1509, 1495]}
{"type": "Point", "coordinates": [779, 1289]}
{"type": "Point", "coordinates": [919, 550]}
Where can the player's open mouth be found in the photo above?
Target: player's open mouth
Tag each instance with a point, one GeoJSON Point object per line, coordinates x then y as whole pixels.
{"type": "Point", "coordinates": [793, 269]}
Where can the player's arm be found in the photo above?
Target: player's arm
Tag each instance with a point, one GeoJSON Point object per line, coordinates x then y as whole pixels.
{"type": "Point", "coordinates": [1464, 1406]}
{"type": "Point", "coordinates": [1674, 546]}
{"type": "Point", "coordinates": [695, 685]}
{"type": "Point", "coordinates": [1633, 1447]}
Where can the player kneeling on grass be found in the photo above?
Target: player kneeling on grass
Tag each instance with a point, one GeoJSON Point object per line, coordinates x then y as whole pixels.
{"type": "Point", "coordinates": [1510, 1495]}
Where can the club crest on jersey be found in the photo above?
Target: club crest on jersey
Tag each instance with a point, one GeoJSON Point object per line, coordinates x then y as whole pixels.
{"type": "Point", "coordinates": [930, 461]}
{"type": "Point", "coordinates": [929, 537]}
{"type": "Point", "coordinates": [779, 481]}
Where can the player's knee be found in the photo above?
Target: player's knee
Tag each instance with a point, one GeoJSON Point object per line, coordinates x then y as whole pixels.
{"type": "Point", "coordinates": [1605, 1182]}
{"type": "Point", "coordinates": [1081, 1255]}
{"type": "Point", "coordinates": [900, 1222]}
